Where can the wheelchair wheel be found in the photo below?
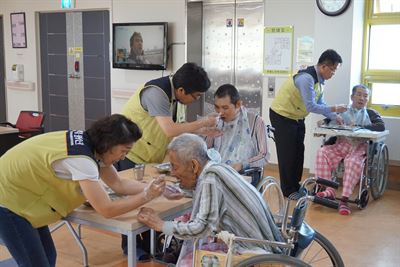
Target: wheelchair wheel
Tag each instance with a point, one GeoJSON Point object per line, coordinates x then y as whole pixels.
{"type": "Point", "coordinates": [171, 252]}
{"type": "Point", "coordinates": [265, 181]}
{"type": "Point", "coordinates": [364, 198]}
{"type": "Point", "coordinates": [379, 173]}
{"type": "Point", "coordinates": [272, 194]}
{"type": "Point", "coordinates": [272, 260]}
{"type": "Point", "coordinates": [321, 252]}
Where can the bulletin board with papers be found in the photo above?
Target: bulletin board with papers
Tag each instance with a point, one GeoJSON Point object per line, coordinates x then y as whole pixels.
{"type": "Point", "coordinates": [278, 50]}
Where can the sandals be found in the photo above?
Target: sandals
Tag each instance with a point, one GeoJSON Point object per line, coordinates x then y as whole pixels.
{"type": "Point", "coordinates": [328, 193]}
{"type": "Point", "coordinates": [344, 208]}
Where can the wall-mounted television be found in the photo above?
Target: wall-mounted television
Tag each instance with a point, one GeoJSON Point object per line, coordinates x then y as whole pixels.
{"type": "Point", "coordinates": [140, 45]}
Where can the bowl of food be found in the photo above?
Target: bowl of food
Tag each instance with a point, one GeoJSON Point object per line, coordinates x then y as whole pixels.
{"type": "Point", "coordinates": [163, 167]}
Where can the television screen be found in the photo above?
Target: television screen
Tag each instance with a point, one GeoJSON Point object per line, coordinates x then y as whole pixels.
{"type": "Point", "coordinates": [140, 45]}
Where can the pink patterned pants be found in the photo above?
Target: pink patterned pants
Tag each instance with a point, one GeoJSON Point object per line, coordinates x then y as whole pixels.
{"type": "Point", "coordinates": [329, 157]}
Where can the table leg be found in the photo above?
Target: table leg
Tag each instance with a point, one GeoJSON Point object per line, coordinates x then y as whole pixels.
{"type": "Point", "coordinates": [152, 238]}
{"type": "Point", "coordinates": [79, 241]}
{"type": "Point", "coordinates": [131, 249]}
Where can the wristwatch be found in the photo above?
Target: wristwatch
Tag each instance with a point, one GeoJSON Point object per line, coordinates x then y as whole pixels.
{"type": "Point", "coordinates": [333, 7]}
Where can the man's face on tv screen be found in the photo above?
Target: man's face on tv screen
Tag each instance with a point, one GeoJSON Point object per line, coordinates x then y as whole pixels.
{"type": "Point", "coordinates": [137, 45]}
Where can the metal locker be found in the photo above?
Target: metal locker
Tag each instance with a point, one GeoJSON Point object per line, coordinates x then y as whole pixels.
{"type": "Point", "coordinates": [232, 48]}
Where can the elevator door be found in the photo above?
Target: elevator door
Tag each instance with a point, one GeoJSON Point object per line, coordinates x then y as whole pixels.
{"type": "Point", "coordinates": [232, 49]}
{"type": "Point", "coordinates": [75, 68]}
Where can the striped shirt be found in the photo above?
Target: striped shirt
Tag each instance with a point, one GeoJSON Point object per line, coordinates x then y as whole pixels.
{"type": "Point", "coordinates": [224, 201]}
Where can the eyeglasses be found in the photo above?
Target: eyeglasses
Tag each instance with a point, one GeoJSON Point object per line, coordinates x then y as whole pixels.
{"type": "Point", "coordinates": [195, 96]}
{"type": "Point", "coordinates": [332, 68]}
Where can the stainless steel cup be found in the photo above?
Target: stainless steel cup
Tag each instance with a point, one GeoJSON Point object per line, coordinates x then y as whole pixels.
{"type": "Point", "coordinates": [138, 172]}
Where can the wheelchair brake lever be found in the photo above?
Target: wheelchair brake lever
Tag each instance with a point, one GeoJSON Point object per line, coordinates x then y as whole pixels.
{"type": "Point", "coordinates": [167, 242]}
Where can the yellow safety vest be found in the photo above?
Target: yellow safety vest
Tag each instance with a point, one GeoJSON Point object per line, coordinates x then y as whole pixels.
{"type": "Point", "coordinates": [28, 184]}
{"type": "Point", "coordinates": [289, 103]}
{"type": "Point", "coordinates": [151, 148]}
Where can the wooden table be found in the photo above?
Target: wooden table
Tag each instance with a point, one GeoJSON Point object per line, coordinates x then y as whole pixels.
{"type": "Point", "coordinates": [127, 223]}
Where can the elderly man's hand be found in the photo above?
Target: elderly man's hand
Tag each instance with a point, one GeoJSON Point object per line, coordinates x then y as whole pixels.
{"type": "Point", "coordinates": [339, 120]}
{"type": "Point", "coordinates": [237, 166]}
{"type": "Point", "coordinates": [149, 217]}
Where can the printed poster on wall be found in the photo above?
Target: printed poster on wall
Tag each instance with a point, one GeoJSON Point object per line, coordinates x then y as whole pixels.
{"type": "Point", "coordinates": [305, 51]}
{"type": "Point", "coordinates": [18, 30]}
{"type": "Point", "coordinates": [278, 50]}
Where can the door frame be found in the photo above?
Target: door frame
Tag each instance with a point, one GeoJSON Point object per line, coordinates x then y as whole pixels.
{"type": "Point", "coordinates": [3, 91]}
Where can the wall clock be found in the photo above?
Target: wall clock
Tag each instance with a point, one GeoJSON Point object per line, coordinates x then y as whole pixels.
{"type": "Point", "coordinates": [333, 7]}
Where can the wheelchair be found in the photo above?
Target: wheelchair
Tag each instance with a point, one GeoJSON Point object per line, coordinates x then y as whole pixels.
{"type": "Point", "coordinates": [302, 245]}
{"type": "Point", "coordinates": [375, 171]}
{"type": "Point", "coordinates": [257, 173]}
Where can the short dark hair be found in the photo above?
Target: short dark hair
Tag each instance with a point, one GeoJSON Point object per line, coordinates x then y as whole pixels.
{"type": "Point", "coordinates": [355, 87]}
{"type": "Point", "coordinates": [192, 78]}
{"type": "Point", "coordinates": [228, 90]}
{"type": "Point", "coordinates": [111, 131]}
{"type": "Point", "coordinates": [329, 57]}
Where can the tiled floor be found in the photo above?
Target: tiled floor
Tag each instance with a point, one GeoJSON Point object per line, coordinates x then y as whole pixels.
{"type": "Point", "coordinates": [366, 238]}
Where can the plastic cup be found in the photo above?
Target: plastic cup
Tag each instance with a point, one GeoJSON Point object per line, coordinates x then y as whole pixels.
{"type": "Point", "coordinates": [138, 172]}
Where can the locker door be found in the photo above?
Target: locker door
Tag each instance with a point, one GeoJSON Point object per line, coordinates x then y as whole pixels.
{"type": "Point", "coordinates": [97, 84]}
{"type": "Point", "coordinates": [53, 53]}
{"type": "Point", "coordinates": [75, 68]}
{"type": "Point", "coordinates": [249, 53]}
{"type": "Point", "coordinates": [218, 47]}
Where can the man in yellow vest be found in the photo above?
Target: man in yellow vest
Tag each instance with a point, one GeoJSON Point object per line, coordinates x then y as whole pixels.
{"type": "Point", "coordinates": [153, 108]}
{"type": "Point", "coordinates": [298, 96]}
{"type": "Point", "coordinates": [47, 176]}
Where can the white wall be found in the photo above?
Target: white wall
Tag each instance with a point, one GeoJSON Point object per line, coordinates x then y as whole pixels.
{"type": "Point", "coordinates": [300, 15]}
{"type": "Point", "coordinates": [173, 12]}
{"type": "Point", "coordinates": [342, 33]}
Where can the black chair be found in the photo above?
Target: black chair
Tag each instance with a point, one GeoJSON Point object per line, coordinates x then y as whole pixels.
{"type": "Point", "coordinates": [29, 123]}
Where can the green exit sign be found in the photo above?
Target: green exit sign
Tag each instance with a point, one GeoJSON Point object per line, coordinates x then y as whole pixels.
{"type": "Point", "coordinates": [67, 3]}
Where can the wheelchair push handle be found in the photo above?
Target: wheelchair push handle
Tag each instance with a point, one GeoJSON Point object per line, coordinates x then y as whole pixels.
{"type": "Point", "coordinates": [326, 202]}
{"type": "Point", "coordinates": [327, 183]}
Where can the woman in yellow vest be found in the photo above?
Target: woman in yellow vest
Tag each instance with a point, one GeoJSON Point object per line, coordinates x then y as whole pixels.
{"type": "Point", "coordinates": [298, 96]}
{"type": "Point", "coordinates": [45, 177]}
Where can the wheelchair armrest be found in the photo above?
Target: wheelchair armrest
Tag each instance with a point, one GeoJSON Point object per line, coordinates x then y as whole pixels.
{"type": "Point", "coordinates": [250, 170]}
{"type": "Point", "coordinates": [332, 140]}
{"type": "Point", "coordinates": [8, 124]}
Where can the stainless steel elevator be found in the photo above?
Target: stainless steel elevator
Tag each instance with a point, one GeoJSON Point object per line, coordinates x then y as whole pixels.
{"type": "Point", "coordinates": [231, 51]}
